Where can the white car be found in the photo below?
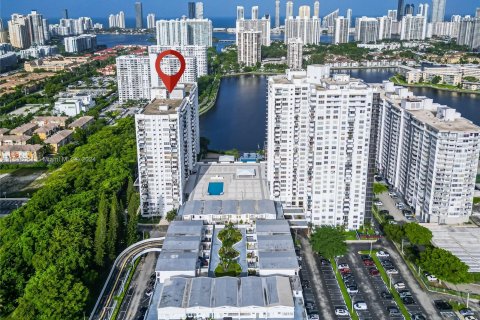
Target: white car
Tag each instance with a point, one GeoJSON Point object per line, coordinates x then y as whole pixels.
{"type": "Point", "coordinates": [391, 271]}
{"type": "Point", "coordinates": [378, 203]}
{"type": "Point", "coordinates": [431, 278]}
{"type": "Point", "coordinates": [343, 266]}
{"type": "Point", "coordinates": [392, 194]}
{"type": "Point", "coordinates": [399, 285]}
{"type": "Point", "coordinates": [313, 317]}
{"type": "Point", "coordinates": [360, 305]}
{"type": "Point", "coordinates": [383, 254]}
{"type": "Point", "coordinates": [341, 312]}
{"type": "Point", "coordinates": [470, 318]}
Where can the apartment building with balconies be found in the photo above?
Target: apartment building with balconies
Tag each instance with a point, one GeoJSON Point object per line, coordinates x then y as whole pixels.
{"type": "Point", "coordinates": [318, 145]}
{"type": "Point", "coordinates": [168, 142]}
{"type": "Point", "coordinates": [429, 154]}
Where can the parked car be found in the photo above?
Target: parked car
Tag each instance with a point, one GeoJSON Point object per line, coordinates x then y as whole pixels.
{"type": "Point", "coordinates": [314, 316]}
{"type": "Point", "coordinates": [378, 203]}
{"type": "Point", "coordinates": [404, 293]}
{"type": "Point", "coordinates": [408, 301]}
{"type": "Point", "coordinates": [467, 312]}
{"type": "Point", "coordinates": [418, 316]}
{"type": "Point", "coordinates": [399, 285]}
{"type": "Point", "coordinates": [345, 271]}
{"type": "Point", "coordinates": [368, 263]}
{"type": "Point", "coordinates": [352, 289]}
{"type": "Point", "coordinates": [442, 305]}
{"type": "Point", "coordinates": [470, 318]}
{"type": "Point", "coordinates": [360, 305]}
{"type": "Point", "coordinates": [366, 257]}
{"type": "Point", "coordinates": [410, 218]}
{"type": "Point", "coordinates": [430, 277]}
{"type": "Point", "coordinates": [400, 205]}
{"type": "Point", "coordinates": [391, 270]}
{"type": "Point", "coordinates": [387, 263]}
{"type": "Point", "coordinates": [385, 212]}
{"type": "Point", "coordinates": [386, 295]}
{"type": "Point", "coordinates": [325, 262]}
{"type": "Point", "coordinates": [374, 272]}
{"type": "Point", "coordinates": [383, 254]}
{"type": "Point", "coordinates": [393, 311]}
{"type": "Point", "coordinates": [341, 311]}
{"type": "Point", "coordinates": [343, 266]}
{"type": "Point", "coordinates": [392, 194]}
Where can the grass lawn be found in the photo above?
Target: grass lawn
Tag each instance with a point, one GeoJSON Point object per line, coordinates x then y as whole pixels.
{"type": "Point", "coordinates": [394, 292]}
{"type": "Point", "coordinates": [350, 235]}
{"type": "Point", "coordinates": [346, 296]}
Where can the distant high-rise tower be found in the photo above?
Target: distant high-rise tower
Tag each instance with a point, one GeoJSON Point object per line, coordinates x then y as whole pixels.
{"type": "Point", "coordinates": [304, 12]}
{"type": "Point", "coordinates": [349, 17]}
{"type": "Point", "coordinates": [341, 30]}
{"type": "Point", "coordinates": [477, 13]}
{"type": "Point", "coordinates": [151, 21]}
{"type": "Point", "coordinates": [400, 10]}
{"type": "Point", "coordinates": [277, 13]}
{"type": "Point", "coordinates": [255, 13]}
{"type": "Point", "coordinates": [289, 12]}
{"type": "Point", "coordinates": [438, 10]}
{"type": "Point", "coordinates": [316, 9]}
{"type": "Point", "coordinates": [199, 10]}
{"type": "Point", "coordinates": [191, 10]}
{"type": "Point", "coordinates": [240, 13]}
{"type": "Point", "coordinates": [138, 15]}
{"type": "Point", "coordinates": [65, 13]}
{"type": "Point", "coordinates": [409, 9]}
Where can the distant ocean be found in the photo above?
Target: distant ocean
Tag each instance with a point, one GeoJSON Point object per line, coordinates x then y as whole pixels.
{"type": "Point", "coordinates": [220, 22]}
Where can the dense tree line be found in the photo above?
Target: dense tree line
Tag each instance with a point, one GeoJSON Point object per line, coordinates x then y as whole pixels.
{"type": "Point", "coordinates": [53, 249]}
{"type": "Point", "coordinates": [420, 251]}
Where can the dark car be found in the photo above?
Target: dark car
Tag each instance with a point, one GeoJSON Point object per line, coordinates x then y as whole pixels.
{"type": "Point", "coordinates": [374, 272]}
{"type": "Point", "coordinates": [408, 300]}
{"type": "Point", "coordinates": [366, 257]}
{"type": "Point", "coordinates": [325, 262]}
{"type": "Point", "coordinates": [368, 263]}
{"type": "Point", "coordinates": [443, 305]}
{"type": "Point", "coordinates": [386, 295]}
{"type": "Point", "coordinates": [385, 212]}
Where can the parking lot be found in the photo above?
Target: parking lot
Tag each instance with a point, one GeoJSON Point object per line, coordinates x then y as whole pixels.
{"type": "Point", "coordinates": [332, 287]}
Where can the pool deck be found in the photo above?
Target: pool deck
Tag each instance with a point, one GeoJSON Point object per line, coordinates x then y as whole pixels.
{"type": "Point", "coordinates": [234, 188]}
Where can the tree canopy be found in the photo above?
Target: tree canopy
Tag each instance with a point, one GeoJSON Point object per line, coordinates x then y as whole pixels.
{"type": "Point", "coordinates": [47, 265]}
{"type": "Point", "coordinates": [444, 265]}
{"type": "Point", "coordinates": [417, 234]}
{"type": "Point", "coordinates": [328, 241]}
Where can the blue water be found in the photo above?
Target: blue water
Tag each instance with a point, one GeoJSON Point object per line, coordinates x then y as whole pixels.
{"type": "Point", "coordinates": [215, 188]}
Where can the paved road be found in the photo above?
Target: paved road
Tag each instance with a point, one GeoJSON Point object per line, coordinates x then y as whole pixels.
{"type": "Point", "coordinates": [325, 308]}
{"type": "Point", "coordinates": [421, 297]}
{"type": "Point", "coordinates": [389, 204]}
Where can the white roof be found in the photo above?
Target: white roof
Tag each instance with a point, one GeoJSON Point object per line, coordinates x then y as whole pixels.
{"type": "Point", "coordinates": [249, 172]}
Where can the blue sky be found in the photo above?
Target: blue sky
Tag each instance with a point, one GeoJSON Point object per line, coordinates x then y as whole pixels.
{"type": "Point", "coordinates": [212, 8]}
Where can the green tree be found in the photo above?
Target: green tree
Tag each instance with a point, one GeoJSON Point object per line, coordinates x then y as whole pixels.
{"type": "Point", "coordinates": [379, 188]}
{"type": "Point", "coordinates": [130, 188]}
{"type": "Point", "coordinates": [101, 231]}
{"type": "Point", "coordinates": [394, 232]}
{"type": "Point", "coordinates": [417, 234]}
{"type": "Point", "coordinates": [111, 241]}
{"type": "Point", "coordinates": [132, 220]}
{"type": "Point", "coordinates": [329, 241]}
{"type": "Point", "coordinates": [444, 265]}
{"type": "Point", "coordinates": [436, 79]}
{"type": "Point", "coordinates": [36, 139]}
{"type": "Point", "coordinates": [233, 152]}
{"type": "Point", "coordinates": [171, 215]}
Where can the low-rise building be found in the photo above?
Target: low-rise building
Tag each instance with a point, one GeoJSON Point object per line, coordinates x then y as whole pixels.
{"type": "Point", "coordinates": [81, 123]}
{"type": "Point", "coordinates": [59, 139]}
{"type": "Point", "coordinates": [24, 129]}
{"type": "Point", "coordinates": [8, 61]}
{"type": "Point", "coordinates": [25, 153]}
{"type": "Point", "coordinates": [46, 131]}
{"type": "Point", "coordinates": [49, 120]}
{"type": "Point", "coordinates": [73, 105]}
{"type": "Point", "coordinates": [11, 140]}
{"type": "Point", "coordinates": [4, 131]}
{"type": "Point", "coordinates": [55, 64]}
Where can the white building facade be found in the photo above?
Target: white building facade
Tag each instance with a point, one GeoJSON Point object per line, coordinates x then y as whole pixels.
{"type": "Point", "coordinates": [249, 48]}
{"type": "Point", "coordinates": [295, 54]}
{"type": "Point", "coordinates": [133, 78]}
{"type": "Point", "coordinates": [184, 32]}
{"type": "Point", "coordinates": [429, 154]}
{"type": "Point", "coordinates": [318, 145]}
{"type": "Point", "coordinates": [306, 28]}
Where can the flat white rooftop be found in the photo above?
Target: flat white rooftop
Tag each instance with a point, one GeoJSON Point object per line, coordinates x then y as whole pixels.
{"type": "Point", "coordinates": [241, 181]}
{"type": "Point", "coordinates": [462, 241]}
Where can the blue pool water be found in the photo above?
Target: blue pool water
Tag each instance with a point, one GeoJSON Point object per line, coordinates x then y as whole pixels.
{"type": "Point", "coordinates": [215, 188]}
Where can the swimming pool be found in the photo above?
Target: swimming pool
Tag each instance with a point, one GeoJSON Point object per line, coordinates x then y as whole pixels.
{"type": "Point", "coordinates": [215, 188]}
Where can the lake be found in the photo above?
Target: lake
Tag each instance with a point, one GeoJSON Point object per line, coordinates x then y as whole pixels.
{"type": "Point", "coordinates": [238, 119]}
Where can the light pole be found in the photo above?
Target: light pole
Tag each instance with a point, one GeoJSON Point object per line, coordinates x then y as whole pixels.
{"type": "Point", "coordinates": [390, 280]}
{"type": "Point", "coordinates": [371, 245]}
{"type": "Point", "coordinates": [402, 246]}
{"type": "Point", "coordinates": [468, 297]}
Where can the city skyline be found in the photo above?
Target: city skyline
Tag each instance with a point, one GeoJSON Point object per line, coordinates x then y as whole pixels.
{"type": "Point", "coordinates": [213, 8]}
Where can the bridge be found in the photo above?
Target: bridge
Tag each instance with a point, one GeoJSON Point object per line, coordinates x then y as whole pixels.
{"type": "Point", "coordinates": [226, 41]}
{"type": "Point", "coordinates": [119, 273]}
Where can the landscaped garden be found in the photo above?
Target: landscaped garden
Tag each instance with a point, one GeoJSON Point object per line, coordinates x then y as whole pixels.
{"type": "Point", "coordinates": [228, 265]}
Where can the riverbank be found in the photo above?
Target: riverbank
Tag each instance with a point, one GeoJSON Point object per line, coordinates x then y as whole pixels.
{"type": "Point", "coordinates": [400, 82]}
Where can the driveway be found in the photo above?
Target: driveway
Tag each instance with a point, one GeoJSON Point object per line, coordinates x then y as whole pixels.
{"type": "Point", "coordinates": [324, 307]}
{"type": "Point", "coordinates": [389, 204]}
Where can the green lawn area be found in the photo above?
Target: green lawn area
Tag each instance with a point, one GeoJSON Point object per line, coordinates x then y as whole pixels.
{"type": "Point", "coordinates": [478, 178]}
{"type": "Point", "coordinates": [350, 235]}
{"type": "Point", "coordinates": [345, 294]}
{"type": "Point", "coordinates": [476, 200]}
{"type": "Point", "coordinates": [379, 188]}
{"type": "Point", "coordinates": [394, 292]}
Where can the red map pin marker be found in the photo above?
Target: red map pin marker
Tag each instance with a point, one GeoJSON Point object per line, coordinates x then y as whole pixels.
{"type": "Point", "coordinates": [170, 81]}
